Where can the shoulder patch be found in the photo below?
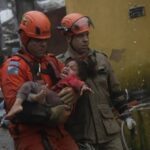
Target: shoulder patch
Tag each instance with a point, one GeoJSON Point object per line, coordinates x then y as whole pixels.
{"type": "Point", "coordinates": [13, 67]}
{"type": "Point", "coordinates": [13, 70]}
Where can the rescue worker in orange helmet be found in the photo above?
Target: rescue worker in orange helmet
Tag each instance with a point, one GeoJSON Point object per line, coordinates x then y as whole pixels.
{"type": "Point", "coordinates": [33, 63]}
{"type": "Point", "coordinates": [92, 124]}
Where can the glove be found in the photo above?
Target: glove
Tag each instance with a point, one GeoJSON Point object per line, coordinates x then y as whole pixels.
{"type": "Point", "coordinates": [68, 96]}
{"type": "Point", "coordinates": [130, 122]}
{"type": "Point", "coordinates": [60, 113]}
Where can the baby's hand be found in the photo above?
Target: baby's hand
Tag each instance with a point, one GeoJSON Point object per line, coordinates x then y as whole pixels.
{"type": "Point", "coordinates": [85, 88]}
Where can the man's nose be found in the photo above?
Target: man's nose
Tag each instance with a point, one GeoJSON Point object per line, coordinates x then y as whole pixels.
{"type": "Point", "coordinates": [85, 38]}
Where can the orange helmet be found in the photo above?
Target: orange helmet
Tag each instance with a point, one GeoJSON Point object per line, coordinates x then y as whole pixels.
{"type": "Point", "coordinates": [75, 23]}
{"type": "Point", "coordinates": [35, 24]}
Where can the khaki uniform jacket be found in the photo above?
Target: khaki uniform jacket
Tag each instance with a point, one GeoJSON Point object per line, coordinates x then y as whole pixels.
{"type": "Point", "coordinates": [93, 120]}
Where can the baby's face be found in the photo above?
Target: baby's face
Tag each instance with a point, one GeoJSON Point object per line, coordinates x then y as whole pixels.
{"type": "Point", "coordinates": [71, 68]}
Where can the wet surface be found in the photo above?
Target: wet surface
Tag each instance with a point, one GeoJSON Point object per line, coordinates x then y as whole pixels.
{"type": "Point", "coordinates": [6, 142]}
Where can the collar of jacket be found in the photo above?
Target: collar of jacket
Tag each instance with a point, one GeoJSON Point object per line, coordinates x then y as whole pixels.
{"type": "Point", "coordinates": [30, 57]}
{"type": "Point", "coordinates": [72, 54]}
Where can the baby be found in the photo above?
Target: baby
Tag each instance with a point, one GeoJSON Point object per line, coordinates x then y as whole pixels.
{"type": "Point", "coordinates": [37, 92]}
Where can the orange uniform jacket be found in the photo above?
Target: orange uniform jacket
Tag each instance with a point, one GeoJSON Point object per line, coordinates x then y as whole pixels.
{"type": "Point", "coordinates": [15, 72]}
